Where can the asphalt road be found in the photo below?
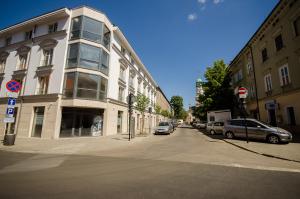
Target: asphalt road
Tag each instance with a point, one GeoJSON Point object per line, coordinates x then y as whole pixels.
{"type": "Point", "coordinates": [164, 167]}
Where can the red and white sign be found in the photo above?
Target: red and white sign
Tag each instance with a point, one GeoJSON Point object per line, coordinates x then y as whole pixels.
{"type": "Point", "coordinates": [243, 92]}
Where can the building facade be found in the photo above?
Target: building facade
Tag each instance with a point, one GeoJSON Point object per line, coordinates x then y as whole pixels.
{"type": "Point", "coordinates": [164, 103]}
{"type": "Point", "coordinates": [269, 65]}
{"type": "Point", "coordinates": [76, 69]}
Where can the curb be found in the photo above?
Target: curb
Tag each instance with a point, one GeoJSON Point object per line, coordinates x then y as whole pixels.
{"type": "Point", "coordinates": [263, 154]}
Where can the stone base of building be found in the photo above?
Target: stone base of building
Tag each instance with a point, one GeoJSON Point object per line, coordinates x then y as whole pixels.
{"type": "Point", "coordinates": [56, 118]}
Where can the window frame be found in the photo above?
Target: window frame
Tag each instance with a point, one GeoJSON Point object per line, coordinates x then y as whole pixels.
{"type": "Point", "coordinates": [268, 82]}
{"type": "Point", "coordinates": [284, 80]}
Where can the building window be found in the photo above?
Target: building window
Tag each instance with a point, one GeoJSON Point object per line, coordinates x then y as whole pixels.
{"type": "Point", "coordinates": [28, 35]}
{"type": "Point", "coordinates": [2, 65]}
{"type": "Point", "coordinates": [131, 83]}
{"type": "Point", "coordinates": [268, 83]}
{"type": "Point", "coordinates": [38, 121]}
{"type": "Point", "coordinates": [86, 86]}
{"type": "Point", "coordinates": [52, 28]}
{"type": "Point", "coordinates": [284, 75]}
{"type": "Point", "coordinates": [122, 74]}
{"type": "Point", "coordinates": [42, 86]}
{"type": "Point", "coordinates": [69, 85]}
{"type": "Point", "coordinates": [8, 41]}
{"type": "Point", "coordinates": [264, 55]}
{"type": "Point", "coordinates": [123, 50]}
{"type": "Point", "coordinates": [22, 61]}
{"type": "Point", "coordinates": [21, 81]}
{"type": "Point", "coordinates": [296, 24]}
{"type": "Point", "coordinates": [87, 56]}
{"type": "Point", "coordinates": [47, 57]}
{"type": "Point", "coordinates": [121, 94]}
{"type": "Point", "coordinates": [278, 42]}
{"type": "Point", "coordinates": [90, 29]}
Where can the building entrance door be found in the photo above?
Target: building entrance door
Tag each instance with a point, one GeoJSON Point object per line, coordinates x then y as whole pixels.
{"type": "Point", "coordinates": [291, 116]}
{"type": "Point", "coordinates": [272, 117]}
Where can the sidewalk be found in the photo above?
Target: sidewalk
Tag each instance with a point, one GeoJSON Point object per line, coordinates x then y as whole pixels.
{"type": "Point", "coordinates": [82, 145]}
{"type": "Point", "coordinates": [289, 151]}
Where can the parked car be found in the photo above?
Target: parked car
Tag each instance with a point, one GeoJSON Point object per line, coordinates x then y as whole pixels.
{"type": "Point", "coordinates": [256, 130]}
{"type": "Point", "coordinates": [200, 125]}
{"type": "Point", "coordinates": [215, 127]}
{"type": "Point", "coordinates": [164, 128]}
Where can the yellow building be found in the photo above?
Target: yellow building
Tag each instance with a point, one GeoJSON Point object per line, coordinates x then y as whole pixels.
{"type": "Point", "coordinates": [269, 67]}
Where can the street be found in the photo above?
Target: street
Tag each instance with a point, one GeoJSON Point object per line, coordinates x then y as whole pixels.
{"type": "Point", "coordinates": [185, 164]}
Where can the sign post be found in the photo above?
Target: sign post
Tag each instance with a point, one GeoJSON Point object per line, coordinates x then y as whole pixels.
{"type": "Point", "coordinates": [243, 92]}
{"type": "Point", "coordinates": [13, 87]}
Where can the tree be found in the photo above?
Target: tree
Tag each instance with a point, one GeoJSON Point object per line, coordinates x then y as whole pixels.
{"type": "Point", "coordinates": [157, 109]}
{"type": "Point", "coordinates": [165, 113]}
{"type": "Point", "coordinates": [142, 102]}
{"type": "Point", "coordinates": [218, 93]}
{"type": "Point", "coordinates": [177, 105]}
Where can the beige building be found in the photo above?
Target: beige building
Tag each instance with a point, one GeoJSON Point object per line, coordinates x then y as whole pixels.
{"type": "Point", "coordinates": [76, 69]}
{"type": "Point", "coordinates": [269, 66]}
{"type": "Point", "coordinates": [163, 102]}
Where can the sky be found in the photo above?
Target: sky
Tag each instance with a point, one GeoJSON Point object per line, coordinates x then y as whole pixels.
{"type": "Point", "coordinates": [175, 39]}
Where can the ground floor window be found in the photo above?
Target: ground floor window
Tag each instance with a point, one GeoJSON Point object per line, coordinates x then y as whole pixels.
{"type": "Point", "coordinates": [77, 122]}
{"type": "Point", "coordinates": [120, 118]}
{"type": "Point", "coordinates": [38, 121]}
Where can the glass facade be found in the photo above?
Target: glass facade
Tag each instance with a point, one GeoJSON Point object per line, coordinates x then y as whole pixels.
{"type": "Point", "coordinates": [90, 29]}
{"type": "Point", "coordinates": [85, 86]}
{"type": "Point", "coordinates": [89, 57]}
{"type": "Point", "coordinates": [78, 122]}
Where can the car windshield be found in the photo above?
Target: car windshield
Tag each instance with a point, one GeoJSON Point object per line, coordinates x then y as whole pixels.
{"type": "Point", "coordinates": [163, 124]}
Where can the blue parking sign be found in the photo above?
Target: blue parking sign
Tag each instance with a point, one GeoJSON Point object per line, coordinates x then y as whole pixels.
{"type": "Point", "coordinates": [10, 112]}
{"type": "Point", "coordinates": [11, 101]}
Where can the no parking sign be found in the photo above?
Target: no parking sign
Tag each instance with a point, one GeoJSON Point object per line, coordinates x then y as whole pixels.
{"type": "Point", "coordinates": [13, 86]}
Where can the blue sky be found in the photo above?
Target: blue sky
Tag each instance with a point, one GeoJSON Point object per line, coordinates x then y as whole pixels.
{"type": "Point", "coordinates": [175, 39]}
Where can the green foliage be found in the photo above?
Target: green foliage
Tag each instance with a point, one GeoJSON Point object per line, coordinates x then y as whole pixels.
{"type": "Point", "coordinates": [142, 102]}
{"type": "Point", "coordinates": [177, 105]}
{"type": "Point", "coordinates": [165, 113]}
{"type": "Point", "coordinates": [217, 90]}
{"type": "Point", "coordinates": [157, 109]}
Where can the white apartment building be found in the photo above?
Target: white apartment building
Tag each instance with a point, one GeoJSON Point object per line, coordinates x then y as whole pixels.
{"type": "Point", "coordinates": [76, 69]}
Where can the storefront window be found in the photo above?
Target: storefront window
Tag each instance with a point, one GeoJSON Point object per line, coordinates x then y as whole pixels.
{"type": "Point", "coordinates": [78, 122]}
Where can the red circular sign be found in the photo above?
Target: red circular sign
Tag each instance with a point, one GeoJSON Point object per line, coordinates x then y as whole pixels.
{"type": "Point", "coordinates": [242, 90]}
{"type": "Point", "coordinates": [13, 86]}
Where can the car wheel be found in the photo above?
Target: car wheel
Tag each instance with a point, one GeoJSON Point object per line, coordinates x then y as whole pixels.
{"type": "Point", "coordinates": [212, 132]}
{"type": "Point", "coordinates": [229, 135]}
{"type": "Point", "coordinates": [273, 139]}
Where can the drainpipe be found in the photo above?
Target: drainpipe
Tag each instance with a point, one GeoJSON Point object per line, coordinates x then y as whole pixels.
{"type": "Point", "coordinates": [255, 84]}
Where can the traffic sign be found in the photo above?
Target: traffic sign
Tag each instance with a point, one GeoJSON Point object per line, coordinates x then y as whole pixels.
{"type": "Point", "coordinates": [243, 92]}
{"type": "Point", "coordinates": [13, 86]}
{"type": "Point", "coordinates": [9, 120]}
{"type": "Point", "coordinates": [10, 112]}
{"type": "Point", "coordinates": [11, 102]}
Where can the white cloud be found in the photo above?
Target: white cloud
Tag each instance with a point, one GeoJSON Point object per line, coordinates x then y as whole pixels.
{"type": "Point", "coordinates": [202, 1]}
{"type": "Point", "coordinates": [217, 1]}
{"type": "Point", "coordinates": [192, 17]}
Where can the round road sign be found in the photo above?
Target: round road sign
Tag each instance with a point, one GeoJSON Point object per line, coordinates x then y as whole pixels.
{"type": "Point", "coordinates": [13, 86]}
